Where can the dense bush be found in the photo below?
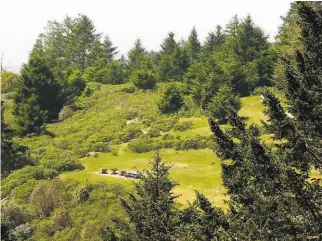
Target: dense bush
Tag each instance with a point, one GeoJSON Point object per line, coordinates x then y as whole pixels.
{"type": "Point", "coordinates": [222, 101]}
{"type": "Point", "coordinates": [171, 100]}
{"type": "Point", "coordinates": [129, 132]}
{"type": "Point", "coordinates": [144, 79]}
{"type": "Point", "coordinates": [183, 126]}
{"type": "Point", "coordinates": [61, 220]}
{"type": "Point", "coordinates": [24, 175]}
{"type": "Point", "coordinates": [115, 73]}
{"type": "Point", "coordinates": [47, 196]}
{"type": "Point", "coordinates": [141, 145]}
{"type": "Point", "coordinates": [164, 124]}
{"type": "Point", "coordinates": [195, 143]}
{"type": "Point", "coordinates": [82, 194]}
{"type": "Point", "coordinates": [23, 231]}
{"type": "Point", "coordinates": [12, 215]}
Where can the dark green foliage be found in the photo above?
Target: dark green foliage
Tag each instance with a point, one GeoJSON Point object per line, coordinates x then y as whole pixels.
{"type": "Point", "coordinates": [171, 100]}
{"type": "Point", "coordinates": [270, 189]}
{"type": "Point", "coordinates": [115, 73]}
{"type": "Point", "coordinates": [202, 221]}
{"type": "Point", "coordinates": [168, 45]}
{"type": "Point", "coordinates": [222, 102]}
{"type": "Point", "coordinates": [25, 174]}
{"type": "Point", "coordinates": [151, 210]}
{"type": "Point", "coordinates": [214, 41]}
{"type": "Point", "coordinates": [173, 66]}
{"type": "Point", "coordinates": [37, 97]}
{"type": "Point", "coordinates": [13, 156]}
{"type": "Point", "coordinates": [193, 45]}
{"type": "Point", "coordinates": [144, 79]}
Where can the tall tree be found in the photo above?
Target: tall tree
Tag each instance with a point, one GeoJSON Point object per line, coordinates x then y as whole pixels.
{"type": "Point", "coordinates": [214, 40]}
{"type": "Point", "coordinates": [193, 44]}
{"type": "Point", "coordinates": [37, 98]}
{"type": "Point", "coordinates": [136, 55]}
{"type": "Point", "coordinates": [109, 51]}
{"type": "Point", "coordinates": [272, 195]}
{"type": "Point", "coordinates": [168, 45]}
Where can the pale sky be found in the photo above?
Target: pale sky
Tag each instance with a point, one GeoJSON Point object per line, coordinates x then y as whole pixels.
{"type": "Point", "coordinates": [21, 21]}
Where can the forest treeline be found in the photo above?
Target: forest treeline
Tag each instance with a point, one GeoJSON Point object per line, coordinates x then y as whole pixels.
{"type": "Point", "coordinates": [272, 194]}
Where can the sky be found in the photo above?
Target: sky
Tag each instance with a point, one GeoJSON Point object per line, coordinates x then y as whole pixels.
{"type": "Point", "coordinates": [123, 21]}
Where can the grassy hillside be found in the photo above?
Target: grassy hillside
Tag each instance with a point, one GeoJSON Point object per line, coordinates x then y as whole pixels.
{"type": "Point", "coordinates": [112, 118]}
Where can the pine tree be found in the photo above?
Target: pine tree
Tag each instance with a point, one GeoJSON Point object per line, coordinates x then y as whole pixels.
{"type": "Point", "coordinates": [151, 211]}
{"type": "Point", "coordinates": [136, 56]}
{"type": "Point", "coordinates": [81, 41]}
{"type": "Point", "coordinates": [271, 194]}
{"type": "Point", "coordinates": [193, 45]}
{"type": "Point", "coordinates": [168, 45]}
{"type": "Point", "coordinates": [13, 156]}
{"type": "Point", "coordinates": [214, 41]}
{"type": "Point", "coordinates": [109, 51]}
{"type": "Point", "coordinates": [37, 98]}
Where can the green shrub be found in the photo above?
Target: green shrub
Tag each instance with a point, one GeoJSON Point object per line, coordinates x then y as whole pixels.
{"type": "Point", "coordinates": [129, 132]}
{"type": "Point", "coordinates": [115, 151]}
{"type": "Point", "coordinates": [23, 231]}
{"type": "Point", "coordinates": [61, 219]}
{"type": "Point", "coordinates": [167, 136]}
{"type": "Point", "coordinates": [171, 100]}
{"type": "Point", "coordinates": [183, 126]}
{"type": "Point", "coordinates": [25, 174]}
{"type": "Point", "coordinates": [141, 145]}
{"type": "Point", "coordinates": [129, 89]}
{"type": "Point", "coordinates": [165, 124]}
{"type": "Point", "coordinates": [195, 143]}
{"type": "Point", "coordinates": [144, 79]}
{"type": "Point", "coordinates": [115, 73]}
{"type": "Point", "coordinates": [154, 132]}
{"type": "Point", "coordinates": [12, 215]}
{"type": "Point", "coordinates": [82, 194]}
{"type": "Point", "coordinates": [222, 101]}
{"type": "Point", "coordinates": [65, 113]}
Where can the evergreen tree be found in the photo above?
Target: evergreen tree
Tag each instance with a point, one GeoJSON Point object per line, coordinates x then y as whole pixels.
{"type": "Point", "coordinates": [13, 156]}
{"type": "Point", "coordinates": [136, 55]}
{"type": "Point", "coordinates": [81, 41]}
{"type": "Point", "coordinates": [193, 45]}
{"type": "Point", "coordinates": [171, 100]}
{"type": "Point", "coordinates": [271, 194]}
{"type": "Point", "coordinates": [214, 41]}
{"type": "Point", "coordinates": [109, 51]}
{"type": "Point", "coordinates": [36, 100]}
{"type": "Point", "coordinates": [151, 211]}
{"type": "Point", "coordinates": [168, 45]}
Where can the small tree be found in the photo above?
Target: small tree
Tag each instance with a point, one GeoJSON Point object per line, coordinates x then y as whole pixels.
{"type": "Point", "coordinates": [151, 210]}
{"type": "Point", "coordinates": [144, 79]}
{"type": "Point", "coordinates": [47, 196]}
{"type": "Point", "coordinates": [171, 100]}
{"type": "Point", "coordinates": [82, 194]}
{"type": "Point", "coordinates": [222, 102]}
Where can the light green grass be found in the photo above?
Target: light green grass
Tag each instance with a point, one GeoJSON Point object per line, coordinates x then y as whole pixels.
{"type": "Point", "coordinates": [193, 170]}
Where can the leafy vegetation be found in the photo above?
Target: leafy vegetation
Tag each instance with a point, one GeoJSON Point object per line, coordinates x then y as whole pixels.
{"type": "Point", "coordinates": [77, 109]}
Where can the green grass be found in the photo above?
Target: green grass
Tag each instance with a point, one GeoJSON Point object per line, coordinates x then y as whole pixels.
{"type": "Point", "coordinates": [193, 170]}
{"type": "Point", "coordinates": [103, 116]}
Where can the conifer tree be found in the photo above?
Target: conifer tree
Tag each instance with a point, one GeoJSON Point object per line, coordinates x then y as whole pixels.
{"type": "Point", "coordinates": [37, 98]}
{"type": "Point", "coordinates": [193, 45]}
{"type": "Point", "coordinates": [168, 45]}
{"type": "Point", "coordinates": [271, 194]}
{"type": "Point", "coordinates": [214, 41]}
{"type": "Point", "coordinates": [151, 210]}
